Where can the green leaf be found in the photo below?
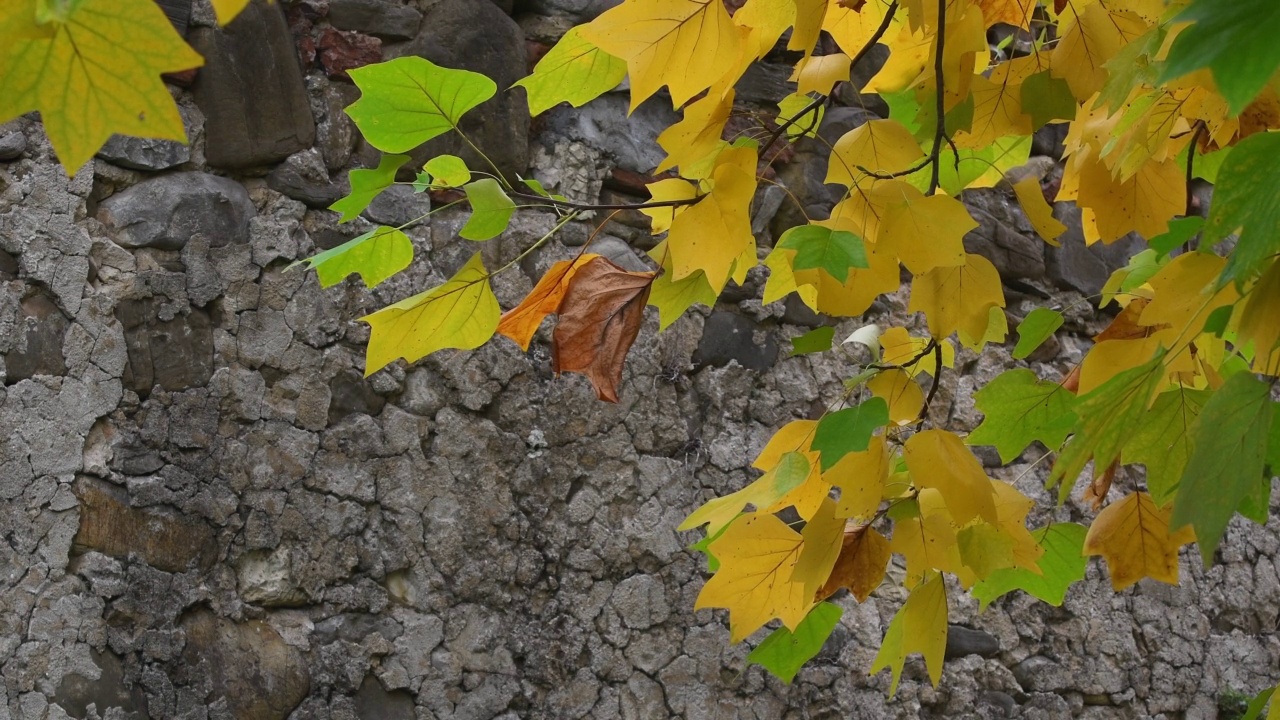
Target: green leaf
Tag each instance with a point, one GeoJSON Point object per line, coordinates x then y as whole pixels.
{"type": "Point", "coordinates": [1229, 450]}
{"type": "Point", "coordinates": [374, 256]}
{"type": "Point", "coordinates": [1236, 40]}
{"type": "Point", "coordinates": [1047, 98]}
{"type": "Point", "coordinates": [1161, 440]}
{"type": "Point", "coordinates": [674, 297]}
{"type": "Point", "coordinates": [1034, 329]}
{"type": "Point", "coordinates": [783, 653]}
{"type": "Point", "coordinates": [791, 106]}
{"type": "Point", "coordinates": [574, 71]}
{"type": "Point", "coordinates": [1021, 408]}
{"type": "Point", "coordinates": [1106, 416]}
{"type": "Point", "coordinates": [920, 625]}
{"type": "Point", "coordinates": [1061, 565]}
{"type": "Point", "coordinates": [1258, 704]}
{"type": "Point", "coordinates": [1218, 320]}
{"type": "Point", "coordinates": [536, 186]}
{"type": "Point", "coordinates": [408, 101]}
{"type": "Point", "coordinates": [1180, 231]}
{"type": "Point", "coordinates": [1142, 267]}
{"type": "Point", "coordinates": [447, 171]}
{"type": "Point", "coordinates": [1249, 174]}
{"type": "Point", "coordinates": [835, 251]}
{"type": "Point", "coordinates": [814, 341]}
{"type": "Point", "coordinates": [1131, 67]}
{"type": "Point", "coordinates": [491, 210]}
{"type": "Point", "coordinates": [704, 546]}
{"type": "Point", "coordinates": [849, 430]}
{"type": "Point", "coordinates": [422, 182]}
{"type": "Point", "coordinates": [366, 185]}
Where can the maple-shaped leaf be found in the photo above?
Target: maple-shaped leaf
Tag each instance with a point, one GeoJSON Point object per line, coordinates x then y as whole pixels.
{"type": "Point", "coordinates": [764, 21]}
{"type": "Point", "coordinates": [714, 235]}
{"type": "Point", "coordinates": [1162, 439]}
{"type": "Point", "coordinates": [491, 210]}
{"type": "Point", "coordinates": [939, 459]}
{"type": "Point", "coordinates": [757, 554]}
{"type": "Point", "coordinates": [901, 392]}
{"type": "Point", "coordinates": [958, 298]}
{"type": "Point", "coordinates": [861, 477]}
{"type": "Point", "coordinates": [789, 114]}
{"type": "Point", "coordinates": [697, 135]}
{"type": "Point", "coordinates": [573, 71]}
{"type": "Point", "coordinates": [367, 185]}
{"type": "Point", "coordinates": [1047, 99]}
{"type": "Point", "coordinates": [784, 652]}
{"type": "Point", "coordinates": [374, 256]}
{"type": "Point", "coordinates": [882, 146]}
{"type": "Point", "coordinates": [1236, 40]}
{"type": "Point", "coordinates": [1020, 408]}
{"type": "Point", "coordinates": [1106, 416]}
{"type": "Point", "coordinates": [410, 100]}
{"type": "Point", "coordinates": [822, 540]}
{"type": "Point", "coordinates": [820, 73]}
{"type": "Point", "coordinates": [1133, 536]}
{"type": "Point", "coordinates": [860, 567]}
{"type": "Point", "coordinates": [674, 297]}
{"type": "Point", "coordinates": [599, 319]}
{"type": "Point", "coordinates": [1089, 37]}
{"type": "Point", "coordinates": [462, 313]}
{"type": "Point", "coordinates": [925, 232]}
{"type": "Point", "coordinates": [984, 549]}
{"type": "Point", "coordinates": [1251, 171]}
{"type": "Point", "coordinates": [818, 247]}
{"type": "Point", "coordinates": [848, 430]}
{"type": "Point", "coordinates": [92, 68]}
{"type": "Point", "coordinates": [660, 218]}
{"type": "Point", "coordinates": [920, 626]}
{"type": "Point", "coordinates": [1228, 454]}
{"type": "Point", "coordinates": [1010, 12]}
{"type": "Point", "coordinates": [1035, 328]}
{"type": "Point", "coordinates": [1061, 565]}
{"type": "Point", "coordinates": [522, 321]}
{"type": "Point", "coordinates": [687, 45]}
{"type": "Point", "coordinates": [1185, 293]}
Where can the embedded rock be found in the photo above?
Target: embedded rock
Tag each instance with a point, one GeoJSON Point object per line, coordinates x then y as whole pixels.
{"type": "Point", "coordinates": [37, 342]}
{"type": "Point", "coordinates": [163, 540]}
{"type": "Point", "coordinates": [247, 666]}
{"type": "Point", "coordinates": [376, 17]}
{"type": "Point", "coordinates": [144, 153]}
{"type": "Point", "coordinates": [165, 212]}
{"type": "Point", "coordinates": [174, 354]}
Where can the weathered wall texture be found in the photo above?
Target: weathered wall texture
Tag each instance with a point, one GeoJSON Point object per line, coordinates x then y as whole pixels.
{"type": "Point", "coordinates": [209, 513]}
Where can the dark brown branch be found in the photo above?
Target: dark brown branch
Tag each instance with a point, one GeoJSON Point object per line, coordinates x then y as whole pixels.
{"type": "Point", "coordinates": [940, 132]}
{"type": "Point", "coordinates": [1191, 169]}
{"type": "Point", "coordinates": [568, 205]}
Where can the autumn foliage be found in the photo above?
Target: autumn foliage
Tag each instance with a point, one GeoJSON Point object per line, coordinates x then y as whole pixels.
{"type": "Point", "coordinates": [1154, 93]}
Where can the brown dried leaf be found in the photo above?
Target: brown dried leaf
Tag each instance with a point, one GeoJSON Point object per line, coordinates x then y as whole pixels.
{"type": "Point", "coordinates": [599, 319]}
{"type": "Point", "coordinates": [854, 5]}
{"type": "Point", "coordinates": [1097, 491]}
{"type": "Point", "coordinates": [864, 555]}
{"type": "Point", "coordinates": [1126, 325]}
{"type": "Point", "coordinates": [522, 321]}
{"type": "Point", "coordinates": [1072, 382]}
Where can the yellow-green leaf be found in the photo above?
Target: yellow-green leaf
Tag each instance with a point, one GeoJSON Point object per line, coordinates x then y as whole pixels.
{"type": "Point", "coordinates": [920, 626]}
{"type": "Point", "coordinates": [574, 71]}
{"type": "Point", "coordinates": [462, 313]}
{"type": "Point", "coordinates": [491, 210]}
{"type": "Point", "coordinates": [366, 185]}
{"type": "Point", "coordinates": [374, 256]}
{"type": "Point", "coordinates": [448, 171]}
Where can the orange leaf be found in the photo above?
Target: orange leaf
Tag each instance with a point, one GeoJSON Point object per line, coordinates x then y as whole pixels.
{"type": "Point", "coordinates": [600, 318]}
{"type": "Point", "coordinates": [1126, 325]}
{"type": "Point", "coordinates": [864, 555]}
{"type": "Point", "coordinates": [1101, 485]}
{"type": "Point", "coordinates": [522, 321]}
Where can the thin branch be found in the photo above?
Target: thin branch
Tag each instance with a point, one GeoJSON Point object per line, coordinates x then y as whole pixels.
{"type": "Point", "coordinates": [940, 132]}
{"type": "Point", "coordinates": [584, 207]}
{"type": "Point", "coordinates": [1191, 159]}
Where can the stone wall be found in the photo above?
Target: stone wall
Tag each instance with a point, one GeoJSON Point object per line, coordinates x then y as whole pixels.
{"type": "Point", "coordinates": [210, 513]}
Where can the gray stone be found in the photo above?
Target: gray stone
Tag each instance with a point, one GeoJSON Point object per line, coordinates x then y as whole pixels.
{"type": "Point", "coordinates": [175, 354]}
{"type": "Point", "coordinates": [728, 336]}
{"type": "Point", "coordinates": [962, 641]}
{"type": "Point", "coordinates": [387, 20]}
{"type": "Point", "coordinates": [106, 692]}
{"type": "Point", "coordinates": [604, 123]}
{"type": "Point", "coordinates": [13, 141]}
{"type": "Point", "coordinates": [1085, 268]}
{"type": "Point", "coordinates": [398, 205]}
{"type": "Point", "coordinates": [478, 36]}
{"type": "Point", "coordinates": [248, 664]}
{"type": "Point", "coordinates": [351, 393]}
{"type": "Point", "coordinates": [620, 253]}
{"type": "Point", "coordinates": [8, 266]}
{"type": "Point", "coordinates": [1004, 234]}
{"type": "Point", "coordinates": [37, 348]}
{"type": "Point", "coordinates": [266, 579]}
{"type": "Point", "coordinates": [583, 10]}
{"type": "Point", "coordinates": [161, 539]}
{"type": "Point", "coordinates": [305, 177]}
{"type": "Point", "coordinates": [374, 702]}
{"type": "Point", "coordinates": [144, 153]}
{"type": "Point", "coordinates": [165, 212]}
{"type": "Point", "coordinates": [251, 91]}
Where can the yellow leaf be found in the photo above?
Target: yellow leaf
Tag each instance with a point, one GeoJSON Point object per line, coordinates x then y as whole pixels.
{"type": "Point", "coordinates": [795, 436]}
{"type": "Point", "coordinates": [853, 29]}
{"type": "Point", "coordinates": [522, 321]}
{"type": "Point", "coordinates": [861, 477]}
{"type": "Point", "coordinates": [864, 556]}
{"type": "Point", "coordinates": [919, 627]}
{"type": "Point", "coordinates": [665, 191]}
{"type": "Point", "coordinates": [1088, 40]}
{"type": "Point", "coordinates": [1183, 298]}
{"type": "Point", "coordinates": [862, 211]}
{"type": "Point", "coordinates": [927, 542]}
{"type": "Point", "coordinates": [1112, 357]}
{"type": "Point", "coordinates": [714, 234]}
{"type": "Point", "coordinates": [1031, 198]}
{"type": "Point", "coordinates": [687, 45]}
{"type": "Point", "coordinates": [697, 135]}
{"type": "Point", "coordinates": [782, 279]}
{"type": "Point", "coordinates": [958, 298]}
{"type": "Point", "coordinates": [808, 496]}
{"type": "Point", "coordinates": [757, 555]}
{"type": "Point", "coordinates": [903, 350]}
{"type": "Point", "coordinates": [1013, 507]}
{"type": "Point", "coordinates": [984, 549]}
{"type": "Point", "coordinates": [227, 10]}
{"type": "Point", "coordinates": [939, 459]}
{"type": "Point", "coordinates": [93, 74]}
{"type": "Point", "coordinates": [910, 52]}
{"type": "Point", "coordinates": [997, 330]}
{"type": "Point", "coordinates": [809, 17]}
{"type": "Point", "coordinates": [882, 146]}
{"type": "Point", "coordinates": [823, 535]}
{"type": "Point", "coordinates": [820, 73]}
{"type": "Point", "coordinates": [769, 492]}
{"type": "Point", "coordinates": [926, 232]}
{"type": "Point", "coordinates": [1133, 536]}
{"type": "Point", "coordinates": [905, 398]}
{"type": "Point", "coordinates": [1113, 208]}
{"type": "Point", "coordinates": [1260, 318]}
{"type": "Point", "coordinates": [857, 292]}
{"type": "Point", "coordinates": [997, 110]}
{"type": "Point", "coordinates": [767, 20]}
{"type": "Point", "coordinates": [462, 314]}
{"type": "Point", "coordinates": [966, 39]}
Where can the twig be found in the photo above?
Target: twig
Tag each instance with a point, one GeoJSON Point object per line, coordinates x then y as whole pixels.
{"type": "Point", "coordinates": [940, 132]}
{"type": "Point", "coordinates": [585, 207]}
